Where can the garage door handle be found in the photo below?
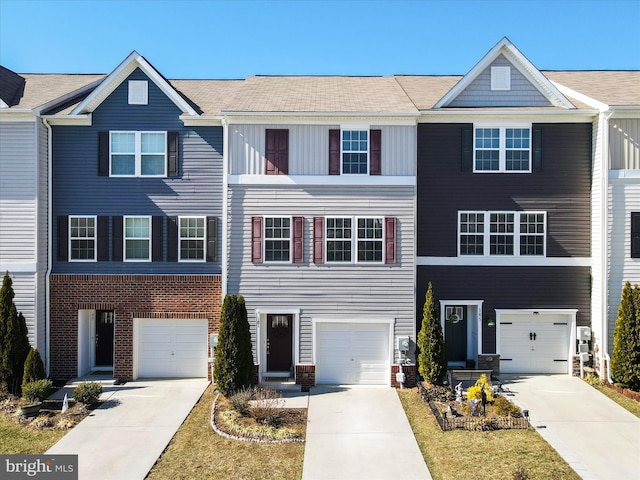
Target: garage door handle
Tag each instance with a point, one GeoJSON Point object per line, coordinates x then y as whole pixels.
{"type": "Point", "coordinates": [532, 336]}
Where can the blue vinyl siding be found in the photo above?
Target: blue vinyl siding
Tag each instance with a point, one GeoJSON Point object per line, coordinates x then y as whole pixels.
{"type": "Point", "coordinates": [78, 190]}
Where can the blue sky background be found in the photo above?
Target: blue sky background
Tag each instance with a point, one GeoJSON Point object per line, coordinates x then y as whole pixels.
{"type": "Point", "coordinates": [235, 39]}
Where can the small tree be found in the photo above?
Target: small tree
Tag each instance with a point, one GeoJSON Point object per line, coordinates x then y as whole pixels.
{"type": "Point", "coordinates": [625, 360]}
{"type": "Point", "coordinates": [14, 341]}
{"type": "Point", "coordinates": [33, 367]}
{"type": "Point", "coordinates": [432, 362]}
{"type": "Point", "coordinates": [234, 368]}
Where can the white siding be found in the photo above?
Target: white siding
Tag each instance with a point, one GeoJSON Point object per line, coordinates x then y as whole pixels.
{"type": "Point", "coordinates": [309, 149]}
{"type": "Point", "coordinates": [624, 141]}
{"type": "Point", "coordinates": [356, 291]}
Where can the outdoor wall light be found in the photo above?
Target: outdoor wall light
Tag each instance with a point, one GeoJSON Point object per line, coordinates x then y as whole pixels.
{"type": "Point", "coordinates": [491, 322]}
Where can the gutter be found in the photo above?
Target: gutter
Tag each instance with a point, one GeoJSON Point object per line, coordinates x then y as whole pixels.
{"type": "Point", "coordinates": [49, 245]}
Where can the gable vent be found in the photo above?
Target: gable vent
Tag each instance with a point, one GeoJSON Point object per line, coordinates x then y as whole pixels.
{"type": "Point", "coordinates": [500, 78]}
{"type": "Point", "coordinates": [138, 92]}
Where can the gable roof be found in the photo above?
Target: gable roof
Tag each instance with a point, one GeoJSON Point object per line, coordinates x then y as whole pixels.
{"type": "Point", "coordinates": [11, 87]}
{"type": "Point", "coordinates": [122, 71]}
{"type": "Point", "coordinates": [521, 63]}
{"type": "Point", "coordinates": [612, 87]}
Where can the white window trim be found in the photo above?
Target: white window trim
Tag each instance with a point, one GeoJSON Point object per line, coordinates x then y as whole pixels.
{"type": "Point", "coordinates": [125, 238]}
{"type": "Point", "coordinates": [265, 239]}
{"type": "Point", "coordinates": [516, 233]}
{"type": "Point", "coordinates": [355, 128]}
{"type": "Point", "coordinates": [354, 240]}
{"type": "Point", "coordinates": [138, 92]}
{"type": "Point", "coordinates": [138, 154]}
{"type": "Point", "coordinates": [502, 149]}
{"type": "Point", "coordinates": [94, 238]}
{"type": "Point", "coordinates": [501, 78]}
{"type": "Point", "coordinates": [204, 240]}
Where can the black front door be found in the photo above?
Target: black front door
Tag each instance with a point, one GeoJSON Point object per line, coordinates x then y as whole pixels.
{"type": "Point", "coordinates": [455, 333]}
{"type": "Point", "coordinates": [104, 338]}
{"type": "Point", "coordinates": [279, 328]}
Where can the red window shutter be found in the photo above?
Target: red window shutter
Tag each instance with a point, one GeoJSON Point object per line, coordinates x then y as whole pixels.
{"type": "Point", "coordinates": [390, 239]}
{"type": "Point", "coordinates": [256, 239]}
{"type": "Point", "coordinates": [277, 152]}
{"type": "Point", "coordinates": [270, 152]}
{"type": "Point", "coordinates": [318, 240]}
{"type": "Point", "coordinates": [334, 152]}
{"type": "Point", "coordinates": [375, 156]}
{"type": "Point", "coordinates": [298, 239]}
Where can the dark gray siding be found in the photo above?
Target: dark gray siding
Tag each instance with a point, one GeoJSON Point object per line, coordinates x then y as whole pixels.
{"type": "Point", "coordinates": [562, 189]}
{"type": "Point", "coordinates": [508, 288]}
{"type": "Point", "coordinates": [78, 190]}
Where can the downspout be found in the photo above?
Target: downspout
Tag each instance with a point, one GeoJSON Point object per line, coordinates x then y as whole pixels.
{"type": "Point", "coordinates": [49, 245]}
{"type": "Point", "coordinates": [225, 201]}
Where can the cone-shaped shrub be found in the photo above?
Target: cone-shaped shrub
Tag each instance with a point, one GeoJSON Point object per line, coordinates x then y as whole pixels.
{"type": "Point", "coordinates": [625, 360]}
{"type": "Point", "coordinates": [14, 342]}
{"type": "Point", "coordinates": [33, 367]}
{"type": "Point", "coordinates": [234, 369]}
{"type": "Point", "coordinates": [432, 362]}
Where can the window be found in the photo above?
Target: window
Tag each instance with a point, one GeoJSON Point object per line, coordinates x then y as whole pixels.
{"type": "Point", "coordinates": [635, 234]}
{"type": "Point", "coordinates": [138, 92]}
{"type": "Point", "coordinates": [355, 152]}
{"type": "Point", "coordinates": [82, 238]}
{"type": "Point", "coordinates": [277, 235]}
{"type": "Point", "coordinates": [338, 238]}
{"type": "Point", "coordinates": [192, 239]}
{"type": "Point", "coordinates": [502, 233]}
{"type": "Point", "coordinates": [370, 240]}
{"type": "Point", "coordinates": [138, 154]}
{"type": "Point", "coordinates": [502, 149]}
{"type": "Point", "coordinates": [137, 239]}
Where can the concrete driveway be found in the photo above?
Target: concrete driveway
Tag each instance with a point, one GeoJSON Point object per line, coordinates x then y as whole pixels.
{"type": "Point", "coordinates": [360, 433]}
{"type": "Point", "coordinates": [123, 438]}
{"type": "Point", "coordinates": [597, 437]}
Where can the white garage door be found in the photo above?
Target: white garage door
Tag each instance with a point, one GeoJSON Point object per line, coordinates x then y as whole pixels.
{"type": "Point", "coordinates": [171, 348]}
{"type": "Point", "coordinates": [352, 354]}
{"type": "Point", "coordinates": [534, 343]}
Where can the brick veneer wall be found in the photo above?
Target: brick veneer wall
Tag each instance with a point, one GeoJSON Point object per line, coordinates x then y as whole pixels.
{"type": "Point", "coordinates": [410, 375]}
{"type": "Point", "coordinates": [130, 296]}
{"type": "Point", "coordinates": [489, 362]}
{"type": "Point", "coordinates": [306, 376]}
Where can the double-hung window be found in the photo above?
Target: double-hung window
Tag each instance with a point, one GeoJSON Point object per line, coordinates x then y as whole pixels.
{"type": "Point", "coordinates": [138, 154]}
{"type": "Point", "coordinates": [191, 237]}
{"type": "Point", "coordinates": [137, 239]}
{"type": "Point", "coordinates": [502, 149]}
{"type": "Point", "coordinates": [502, 233]}
{"type": "Point", "coordinates": [342, 239]}
{"type": "Point", "coordinates": [370, 239]}
{"type": "Point", "coordinates": [355, 152]}
{"type": "Point", "coordinates": [338, 239]}
{"type": "Point", "coordinates": [277, 239]}
{"type": "Point", "coordinates": [82, 238]}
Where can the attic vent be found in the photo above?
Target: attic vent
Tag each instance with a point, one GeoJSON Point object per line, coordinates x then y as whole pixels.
{"type": "Point", "coordinates": [500, 78]}
{"type": "Point", "coordinates": [138, 92]}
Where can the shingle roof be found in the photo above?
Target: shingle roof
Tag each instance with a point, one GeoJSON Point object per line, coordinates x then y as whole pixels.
{"type": "Point", "coordinates": [207, 95]}
{"type": "Point", "coordinates": [10, 86]}
{"type": "Point", "coordinates": [43, 88]}
{"type": "Point", "coordinates": [615, 88]}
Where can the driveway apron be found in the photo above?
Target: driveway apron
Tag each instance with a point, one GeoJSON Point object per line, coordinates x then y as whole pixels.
{"type": "Point", "coordinates": [360, 433]}
{"type": "Point", "coordinates": [123, 438]}
{"type": "Point", "coordinates": [597, 437]}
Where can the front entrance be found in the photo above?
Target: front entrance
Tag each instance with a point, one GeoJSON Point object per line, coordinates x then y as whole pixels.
{"type": "Point", "coordinates": [455, 333]}
{"type": "Point", "coordinates": [279, 340]}
{"type": "Point", "coordinates": [104, 338]}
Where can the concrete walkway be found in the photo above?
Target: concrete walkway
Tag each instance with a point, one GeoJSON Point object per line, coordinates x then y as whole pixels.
{"type": "Point", "coordinates": [124, 437]}
{"type": "Point", "coordinates": [360, 433]}
{"type": "Point", "coordinates": [597, 437]}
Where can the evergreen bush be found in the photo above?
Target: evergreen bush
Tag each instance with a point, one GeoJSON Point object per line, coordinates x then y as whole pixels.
{"type": "Point", "coordinates": [37, 390]}
{"type": "Point", "coordinates": [87, 393]}
{"type": "Point", "coordinates": [234, 368]}
{"type": "Point", "coordinates": [625, 359]}
{"type": "Point", "coordinates": [432, 362]}
{"type": "Point", "coordinates": [33, 367]}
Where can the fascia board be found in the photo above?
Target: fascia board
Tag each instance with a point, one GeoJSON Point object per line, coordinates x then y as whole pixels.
{"type": "Point", "coordinates": [79, 120]}
{"type": "Point", "coordinates": [17, 115]}
{"type": "Point", "coordinates": [201, 120]}
{"type": "Point", "coordinates": [592, 102]}
{"type": "Point", "coordinates": [3, 104]}
{"type": "Point", "coordinates": [442, 116]}
{"type": "Point", "coordinates": [320, 118]}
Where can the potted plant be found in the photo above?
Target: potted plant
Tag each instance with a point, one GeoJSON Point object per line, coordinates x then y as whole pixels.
{"type": "Point", "coordinates": [35, 393]}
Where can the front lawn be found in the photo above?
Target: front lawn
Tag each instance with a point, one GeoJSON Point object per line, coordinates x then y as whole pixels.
{"type": "Point", "coordinates": [196, 451]}
{"type": "Point", "coordinates": [627, 403]}
{"type": "Point", "coordinates": [481, 455]}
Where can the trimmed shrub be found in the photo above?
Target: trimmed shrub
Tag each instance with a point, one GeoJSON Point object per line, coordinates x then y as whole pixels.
{"type": "Point", "coordinates": [475, 392]}
{"type": "Point", "coordinates": [33, 367]}
{"type": "Point", "coordinates": [14, 342]}
{"type": "Point", "coordinates": [503, 407]}
{"type": "Point", "coordinates": [432, 362]}
{"type": "Point", "coordinates": [625, 359]}
{"type": "Point", "coordinates": [37, 391]}
{"type": "Point", "coordinates": [234, 369]}
{"type": "Point", "coordinates": [87, 393]}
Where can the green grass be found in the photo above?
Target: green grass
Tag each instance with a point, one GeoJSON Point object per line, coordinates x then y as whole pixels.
{"type": "Point", "coordinates": [196, 451]}
{"type": "Point", "coordinates": [16, 438]}
{"type": "Point", "coordinates": [481, 455]}
{"type": "Point", "coordinates": [625, 402]}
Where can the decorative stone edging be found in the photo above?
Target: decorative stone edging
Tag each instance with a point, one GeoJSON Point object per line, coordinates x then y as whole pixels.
{"type": "Point", "coordinates": [244, 439]}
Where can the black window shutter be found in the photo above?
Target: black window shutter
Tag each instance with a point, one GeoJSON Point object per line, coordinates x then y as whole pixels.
{"type": "Point", "coordinates": [635, 234]}
{"type": "Point", "coordinates": [116, 238]}
{"type": "Point", "coordinates": [103, 239]}
{"type": "Point", "coordinates": [156, 238]}
{"type": "Point", "coordinates": [172, 239]}
{"type": "Point", "coordinates": [212, 239]}
{"type": "Point", "coordinates": [334, 152]}
{"type": "Point", "coordinates": [375, 153]}
{"type": "Point", "coordinates": [466, 162]}
{"type": "Point", "coordinates": [173, 169]}
{"type": "Point", "coordinates": [63, 238]}
{"type": "Point", "coordinates": [536, 156]}
{"type": "Point", "coordinates": [103, 154]}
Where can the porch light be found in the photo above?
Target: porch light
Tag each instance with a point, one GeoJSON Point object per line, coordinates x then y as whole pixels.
{"type": "Point", "coordinates": [491, 322]}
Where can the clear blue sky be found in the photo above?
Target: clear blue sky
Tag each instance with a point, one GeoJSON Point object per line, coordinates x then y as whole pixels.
{"type": "Point", "coordinates": [235, 39]}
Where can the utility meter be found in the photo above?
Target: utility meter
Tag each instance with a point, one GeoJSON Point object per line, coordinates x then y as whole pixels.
{"type": "Point", "coordinates": [403, 344]}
